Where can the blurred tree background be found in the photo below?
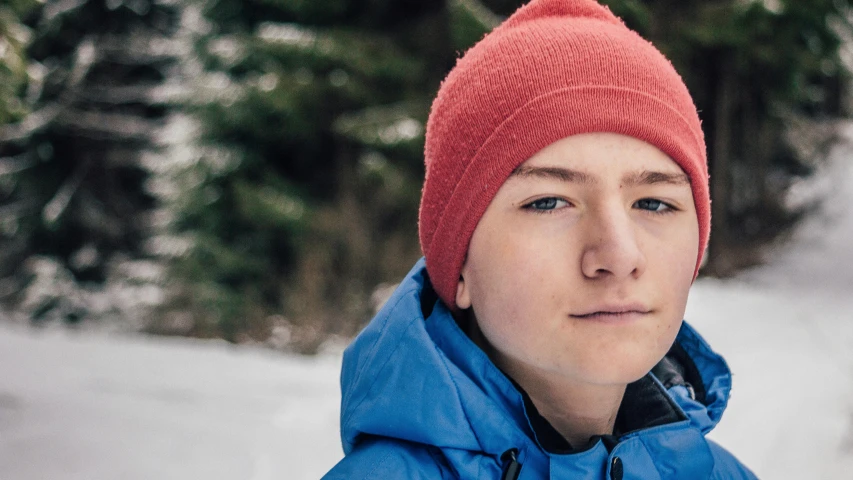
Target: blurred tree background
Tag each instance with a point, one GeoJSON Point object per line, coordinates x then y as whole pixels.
{"type": "Point", "coordinates": [83, 102]}
{"type": "Point", "coordinates": [251, 169]}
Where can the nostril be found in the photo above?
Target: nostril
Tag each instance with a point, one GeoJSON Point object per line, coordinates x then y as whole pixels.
{"type": "Point", "coordinates": [616, 259]}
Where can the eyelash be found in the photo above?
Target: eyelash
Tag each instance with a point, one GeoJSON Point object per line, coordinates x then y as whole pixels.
{"type": "Point", "coordinates": [666, 211]}
{"type": "Point", "coordinates": [669, 209]}
{"type": "Point", "coordinates": [531, 205]}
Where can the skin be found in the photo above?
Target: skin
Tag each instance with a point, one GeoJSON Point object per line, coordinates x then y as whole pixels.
{"type": "Point", "coordinates": [577, 275]}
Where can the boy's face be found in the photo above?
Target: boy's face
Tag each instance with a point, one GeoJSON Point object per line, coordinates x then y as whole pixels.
{"type": "Point", "coordinates": [581, 265]}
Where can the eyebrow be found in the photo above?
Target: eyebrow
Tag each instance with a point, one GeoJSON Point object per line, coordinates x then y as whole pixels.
{"type": "Point", "coordinates": [555, 173]}
{"type": "Point", "coordinates": [645, 177]}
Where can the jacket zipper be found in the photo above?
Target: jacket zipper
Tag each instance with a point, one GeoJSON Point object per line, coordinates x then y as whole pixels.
{"type": "Point", "coordinates": [512, 469]}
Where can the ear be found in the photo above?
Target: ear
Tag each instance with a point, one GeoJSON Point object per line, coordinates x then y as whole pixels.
{"type": "Point", "coordinates": [463, 294]}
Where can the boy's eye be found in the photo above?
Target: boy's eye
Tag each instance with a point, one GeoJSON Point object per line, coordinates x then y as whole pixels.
{"type": "Point", "coordinates": [652, 205]}
{"type": "Point", "coordinates": [548, 203]}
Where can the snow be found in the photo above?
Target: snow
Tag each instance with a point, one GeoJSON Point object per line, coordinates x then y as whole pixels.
{"type": "Point", "coordinates": [87, 406]}
{"type": "Point", "coordinates": [83, 405]}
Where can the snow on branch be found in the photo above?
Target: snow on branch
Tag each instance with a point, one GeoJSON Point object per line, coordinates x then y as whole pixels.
{"type": "Point", "coordinates": [9, 165]}
{"type": "Point", "coordinates": [84, 58]}
{"type": "Point", "coordinates": [110, 125]}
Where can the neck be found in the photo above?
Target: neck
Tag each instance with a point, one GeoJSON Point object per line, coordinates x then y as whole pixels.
{"type": "Point", "coordinates": [578, 411]}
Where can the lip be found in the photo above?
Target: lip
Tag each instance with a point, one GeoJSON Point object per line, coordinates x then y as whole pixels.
{"type": "Point", "coordinates": [623, 312]}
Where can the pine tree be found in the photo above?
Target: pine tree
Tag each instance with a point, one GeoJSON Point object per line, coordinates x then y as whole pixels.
{"type": "Point", "coordinates": [14, 38]}
{"type": "Point", "coordinates": [75, 208]}
{"type": "Point", "coordinates": [302, 192]}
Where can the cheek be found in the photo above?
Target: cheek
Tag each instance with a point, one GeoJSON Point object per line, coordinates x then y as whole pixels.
{"type": "Point", "coordinates": [672, 252]}
{"type": "Point", "coordinates": [676, 267]}
{"type": "Point", "coordinates": [672, 277]}
{"type": "Point", "coordinates": [672, 261]}
{"type": "Point", "coordinates": [514, 281]}
{"type": "Point", "coordinates": [498, 264]}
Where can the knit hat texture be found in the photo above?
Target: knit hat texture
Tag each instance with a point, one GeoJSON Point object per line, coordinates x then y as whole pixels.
{"type": "Point", "coordinates": [553, 69]}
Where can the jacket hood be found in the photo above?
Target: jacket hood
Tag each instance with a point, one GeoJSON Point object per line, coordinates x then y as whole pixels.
{"type": "Point", "coordinates": [412, 374]}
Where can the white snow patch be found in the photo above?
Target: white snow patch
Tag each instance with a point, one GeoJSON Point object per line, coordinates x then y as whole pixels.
{"type": "Point", "coordinates": [88, 406]}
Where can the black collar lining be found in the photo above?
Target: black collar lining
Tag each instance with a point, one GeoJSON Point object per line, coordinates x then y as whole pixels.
{"type": "Point", "coordinates": [645, 405]}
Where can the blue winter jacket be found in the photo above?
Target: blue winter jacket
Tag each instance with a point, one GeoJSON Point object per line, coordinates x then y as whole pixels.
{"type": "Point", "coordinates": [422, 401]}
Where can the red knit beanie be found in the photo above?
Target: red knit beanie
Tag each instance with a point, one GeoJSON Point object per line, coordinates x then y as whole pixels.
{"type": "Point", "coordinates": [555, 68]}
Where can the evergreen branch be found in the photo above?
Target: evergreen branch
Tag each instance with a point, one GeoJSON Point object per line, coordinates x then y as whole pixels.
{"type": "Point", "coordinates": [111, 125]}
{"type": "Point", "coordinates": [30, 125]}
{"type": "Point", "coordinates": [84, 58]}
{"type": "Point", "coordinates": [60, 201]}
{"type": "Point", "coordinates": [9, 165]}
{"type": "Point", "coordinates": [142, 50]}
{"type": "Point", "coordinates": [121, 95]}
{"type": "Point", "coordinates": [19, 209]}
{"type": "Point", "coordinates": [14, 249]}
{"type": "Point", "coordinates": [61, 7]}
{"type": "Point", "coordinates": [480, 12]}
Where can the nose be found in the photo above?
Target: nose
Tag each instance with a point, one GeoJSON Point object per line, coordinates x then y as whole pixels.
{"type": "Point", "coordinates": [611, 245]}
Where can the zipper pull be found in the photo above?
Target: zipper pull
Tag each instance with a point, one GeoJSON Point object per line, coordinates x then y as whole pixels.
{"type": "Point", "coordinates": [512, 469]}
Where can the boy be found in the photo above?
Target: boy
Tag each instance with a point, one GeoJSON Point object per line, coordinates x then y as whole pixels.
{"type": "Point", "coordinates": [564, 215]}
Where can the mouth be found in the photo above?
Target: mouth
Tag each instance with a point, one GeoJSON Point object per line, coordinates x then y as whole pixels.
{"type": "Point", "coordinates": [615, 313]}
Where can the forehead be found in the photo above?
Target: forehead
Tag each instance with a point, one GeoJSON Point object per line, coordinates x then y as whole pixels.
{"type": "Point", "coordinates": [599, 156]}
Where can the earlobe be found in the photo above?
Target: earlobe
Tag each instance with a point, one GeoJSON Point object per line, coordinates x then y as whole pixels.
{"type": "Point", "coordinates": [463, 298]}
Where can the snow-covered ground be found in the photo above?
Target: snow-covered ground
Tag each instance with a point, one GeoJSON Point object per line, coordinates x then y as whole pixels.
{"type": "Point", "coordinates": [98, 407]}
{"type": "Point", "coordinates": [103, 407]}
